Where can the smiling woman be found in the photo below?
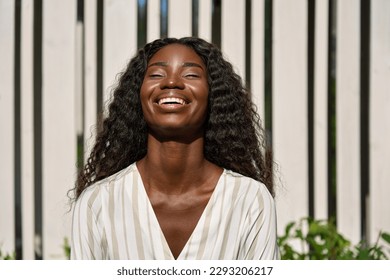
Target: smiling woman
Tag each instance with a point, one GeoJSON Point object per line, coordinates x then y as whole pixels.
{"type": "Point", "coordinates": [174, 93]}
{"type": "Point", "coordinates": [178, 170]}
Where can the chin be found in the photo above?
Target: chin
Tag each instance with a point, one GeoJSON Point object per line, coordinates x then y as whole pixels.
{"type": "Point", "coordinates": [176, 133]}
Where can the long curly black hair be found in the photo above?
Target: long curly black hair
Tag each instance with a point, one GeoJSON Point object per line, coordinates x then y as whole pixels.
{"type": "Point", "coordinates": [233, 135]}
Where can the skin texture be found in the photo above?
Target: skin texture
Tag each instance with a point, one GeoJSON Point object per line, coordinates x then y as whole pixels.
{"type": "Point", "coordinates": [178, 179]}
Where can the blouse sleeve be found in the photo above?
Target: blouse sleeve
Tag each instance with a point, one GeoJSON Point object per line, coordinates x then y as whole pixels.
{"type": "Point", "coordinates": [86, 238]}
{"type": "Point", "coordinates": [260, 237]}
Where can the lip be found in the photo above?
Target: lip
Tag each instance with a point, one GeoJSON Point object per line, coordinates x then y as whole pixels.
{"type": "Point", "coordinates": [171, 100]}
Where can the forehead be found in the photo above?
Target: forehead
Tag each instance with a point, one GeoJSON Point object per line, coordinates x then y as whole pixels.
{"type": "Point", "coordinates": [176, 53]}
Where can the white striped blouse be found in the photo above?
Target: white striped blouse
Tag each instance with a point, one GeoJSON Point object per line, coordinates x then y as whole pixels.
{"type": "Point", "coordinates": [114, 219]}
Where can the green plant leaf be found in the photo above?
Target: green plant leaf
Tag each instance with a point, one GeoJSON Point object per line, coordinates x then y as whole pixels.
{"type": "Point", "coordinates": [324, 242]}
{"type": "Point", "coordinates": [66, 248]}
{"type": "Point", "coordinates": [386, 236]}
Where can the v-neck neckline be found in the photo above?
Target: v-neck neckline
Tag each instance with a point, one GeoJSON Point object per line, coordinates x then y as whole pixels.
{"type": "Point", "coordinates": [157, 224]}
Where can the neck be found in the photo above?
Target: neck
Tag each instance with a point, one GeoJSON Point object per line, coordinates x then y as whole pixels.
{"type": "Point", "coordinates": [173, 166]}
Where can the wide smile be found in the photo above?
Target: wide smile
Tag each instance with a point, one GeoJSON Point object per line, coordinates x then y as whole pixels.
{"type": "Point", "coordinates": [171, 101]}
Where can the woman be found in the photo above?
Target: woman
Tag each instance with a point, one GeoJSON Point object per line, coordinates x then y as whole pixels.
{"type": "Point", "coordinates": [177, 171]}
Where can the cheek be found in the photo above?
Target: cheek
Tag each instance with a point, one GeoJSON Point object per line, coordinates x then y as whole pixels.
{"type": "Point", "coordinates": [203, 100]}
{"type": "Point", "coordinates": [143, 91]}
{"type": "Point", "coordinates": [205, 93]}
{"type": "Point", "coordinates": [146, 92]}
{"type": "Point", "coordinates": [200, 89]}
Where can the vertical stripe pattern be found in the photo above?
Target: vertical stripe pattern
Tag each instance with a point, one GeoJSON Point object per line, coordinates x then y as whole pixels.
{"type": "Point", "coordinates": [275, 41]}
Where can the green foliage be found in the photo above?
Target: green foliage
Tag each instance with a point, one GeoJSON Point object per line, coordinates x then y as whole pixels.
{"type": "Point", "coordinates": [320, 240]}
{"type": "Point", "coordinates": [66, 248]}
{"type": "Point", "coordinates": [7, 256]}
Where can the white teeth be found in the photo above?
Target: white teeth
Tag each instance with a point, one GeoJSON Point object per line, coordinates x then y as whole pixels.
{"type": "Point", "coordinates": [171, 100]}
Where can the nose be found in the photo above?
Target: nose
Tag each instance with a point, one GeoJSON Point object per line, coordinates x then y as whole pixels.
{"type": "Point", "coordinates": [172, 82]}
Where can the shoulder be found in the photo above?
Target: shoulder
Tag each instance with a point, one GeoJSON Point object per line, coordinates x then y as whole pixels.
{"type": "Point", "coordinates": [89, 197]}
{"type": "Point", "coordinates": [251, 194]}
{"type": "Point", "coordinates": [256, 201]}
{"type": "Point", "coordinates": [247, 184]}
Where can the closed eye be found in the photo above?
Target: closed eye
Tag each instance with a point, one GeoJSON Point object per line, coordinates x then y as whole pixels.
{"type": "Point", "coordinates": [192, 75]}
{"type": "Point", "coordinates": [155, 75]}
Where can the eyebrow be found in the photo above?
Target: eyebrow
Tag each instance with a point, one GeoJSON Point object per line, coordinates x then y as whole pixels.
{"type": "Point", "coordinates": [185, 64]}
{"type": "Point", "coordinates": [160, 63]}
{"type": "Point", "coordinates": [192, 64]}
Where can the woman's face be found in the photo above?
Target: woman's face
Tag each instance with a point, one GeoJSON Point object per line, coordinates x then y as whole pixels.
{"type": "Point", "coordinates": [174, 92]}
